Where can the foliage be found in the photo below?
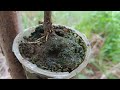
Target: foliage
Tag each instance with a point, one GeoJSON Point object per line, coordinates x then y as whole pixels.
{"type": "Point", "coordinates": [111, 49]}
{"type": "Point", "coordinates": [105, 23]}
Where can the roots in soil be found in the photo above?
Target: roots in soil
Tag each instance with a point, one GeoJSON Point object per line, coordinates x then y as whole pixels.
{"type": "Point", "coordinates": [64, 50]}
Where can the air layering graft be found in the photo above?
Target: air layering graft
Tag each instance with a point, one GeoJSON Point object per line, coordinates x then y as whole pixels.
{"type": "Point", "coordinates": [64, 50]}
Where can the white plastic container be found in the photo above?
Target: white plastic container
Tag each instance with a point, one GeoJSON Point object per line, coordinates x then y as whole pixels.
{"type": "Point", "coordinates": [34, 72]}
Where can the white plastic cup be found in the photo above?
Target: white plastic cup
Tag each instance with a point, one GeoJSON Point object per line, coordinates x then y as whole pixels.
{"type": "Point", "coordinates": [34, 72]}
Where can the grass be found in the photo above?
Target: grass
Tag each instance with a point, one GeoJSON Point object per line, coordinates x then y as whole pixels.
{"type": "Point", "coordinates": [104, 23]}
{"type": "Point", "coordinates": [108, 24]}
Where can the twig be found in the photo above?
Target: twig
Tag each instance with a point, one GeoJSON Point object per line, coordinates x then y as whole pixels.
{"type": "Point", "coordinates": [36, 41]}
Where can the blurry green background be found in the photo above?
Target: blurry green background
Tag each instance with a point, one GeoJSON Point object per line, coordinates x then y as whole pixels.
{"type": "Point", "coordinates": [102, 28]}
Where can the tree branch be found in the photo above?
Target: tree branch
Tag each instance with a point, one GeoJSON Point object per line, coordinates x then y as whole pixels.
{"type": "Point", "coordinates": [47, 23]}
{"type": "Point", "coordinates": [9, 28]}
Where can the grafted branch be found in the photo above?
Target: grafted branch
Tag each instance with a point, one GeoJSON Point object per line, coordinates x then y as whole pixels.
{"type": "Point", "coordinates": [47, 23]}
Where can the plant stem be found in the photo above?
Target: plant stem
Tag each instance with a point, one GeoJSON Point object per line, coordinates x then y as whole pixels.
{"type": "Point", "coordinates": [47, 23]}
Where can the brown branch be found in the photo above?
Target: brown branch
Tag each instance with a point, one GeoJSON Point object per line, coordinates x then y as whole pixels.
{"type": "Point", "coordinates": [47, 23]}
{"type": "Point", "coordinates": [9, 28]}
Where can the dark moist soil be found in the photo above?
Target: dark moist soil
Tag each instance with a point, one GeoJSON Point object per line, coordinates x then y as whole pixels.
{"type": "Point", "coordinates": [64, 50]}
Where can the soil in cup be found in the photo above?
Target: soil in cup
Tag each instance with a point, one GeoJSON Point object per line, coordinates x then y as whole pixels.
{"type": "Point", "coordinates": [64, 50]}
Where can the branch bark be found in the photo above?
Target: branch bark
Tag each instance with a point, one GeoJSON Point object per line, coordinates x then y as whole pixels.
{"type": "Point", "coordinates": [47, 23]}
{"type": "Point", "coordinates": [9, 28]}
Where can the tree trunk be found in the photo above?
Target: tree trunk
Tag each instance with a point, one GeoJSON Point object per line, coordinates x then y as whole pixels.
{"type": "Point", "coordinates": [9, 28]}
